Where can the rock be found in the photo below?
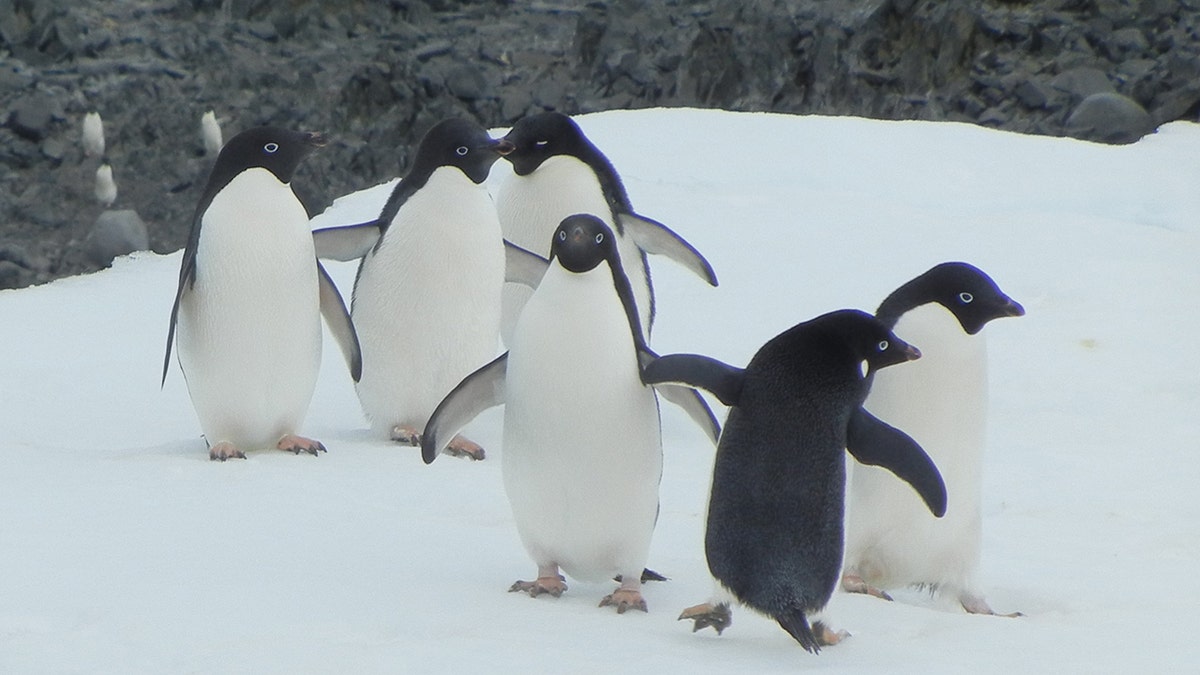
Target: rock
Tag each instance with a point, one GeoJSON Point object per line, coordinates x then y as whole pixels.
{"type": "Point", "coordinates": [31, 117]}
{"type": "Point", "coordinates": [1082, 82]}
{"type": "Point", "coordinates": [13, 275]}
{"type": "Point", "coordinates": [1109, 117]}
{"type": "Point", "coordinates": [116, 233]}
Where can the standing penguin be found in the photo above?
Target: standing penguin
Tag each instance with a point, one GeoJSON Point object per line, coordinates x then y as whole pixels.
{"type": "Point", "coordinates": [582, 445]}
{"type": "Point", "coordinates": [558, 172]}
{"type": "Point", "coordinates": [941, 402]}
{"type": "Point", "coordinates": [250, 298]}
{"type": "Point", "coordinates": [426, 299]}
{"type": "Point", "coordinates": [775, 513]}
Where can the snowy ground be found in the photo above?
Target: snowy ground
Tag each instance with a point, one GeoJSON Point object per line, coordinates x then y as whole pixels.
{"type": "Point", "coordinates": [124, 549]}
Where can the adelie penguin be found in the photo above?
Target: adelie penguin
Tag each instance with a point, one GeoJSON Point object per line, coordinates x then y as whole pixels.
{"type": "Point", "coordinates": [941, 401]}
{"type": "Point", "coordinates": [426, 300]}
{"type": "Point", "coordinates": [250, 298]}
{"type": "Point", "coordinates": [558, 172]}
{"type": "Point", "coordinates": [775, 514]}
{"type": "Point", "coordinates": [582, 446]}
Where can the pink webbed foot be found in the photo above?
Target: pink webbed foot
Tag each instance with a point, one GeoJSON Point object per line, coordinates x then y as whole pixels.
{"type": "Point", "coordinates": [826, 636]}
{"type": "Point", "coordinates": [462, 447]}
{"type": "Point", "coordinates": [624, 599]}
{"type": "Point", "coordinates": [298, 444]}
{"type": "Point", "coordinates": [853, 583]}
{"type": "Point", "coordinates": [406, 435]}
{"type": "Point", "coordinates": [225, 450]}
{"type": "Point", "coordinates": [554, 586]}
{"type": "Point", "coordinates": [706, 615]}
{"type": "Point", "coordinates": [975, 604]}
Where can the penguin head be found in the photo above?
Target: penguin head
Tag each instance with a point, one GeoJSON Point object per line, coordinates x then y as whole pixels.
{"type": "Point", "coordinates": [970, 295]}
{"type": "Point", "coordinates": [462, 144]}
{"type": "Point", "coordinates": [539, 137]}
{"type": "Point", "coordinates": [581, 242]}
{"type": "Point", "coordinates": [276, 150]}
{"type": "Point", "coordinates": [867, 338]}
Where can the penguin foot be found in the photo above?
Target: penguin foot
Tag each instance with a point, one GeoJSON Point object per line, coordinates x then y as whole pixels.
{"type": "Point", "coordinates": [461, 447]}
{"type": "Point", "coordinates": [706, 615]}
{"type": "Point", "coordinates": [624, 599]}
{"type": "Point", "coordinates": [853, 583]}
{"type": "Point", "coordinates": [298, 444]}
{"type": "Point", "coordinates": [225, 450]}
{"type": "Point", "coordinates": [406, 435]}
{"type": "Point", "coordinates": [975, 604]}
{"type": "Point", "coordinates": [826, 636]}
{"type": "Point", "coordinates": [552, 586]}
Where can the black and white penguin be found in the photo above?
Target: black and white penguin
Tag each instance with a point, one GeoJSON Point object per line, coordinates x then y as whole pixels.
{"type": "Point", "coordinates": [426, 301]}
{"type": "Point", "coordinates": [558, 172]}
{"type": "Point", "coordinates": [250, 299]}
{"type": "Point", "coordinates": [775, 513]}
{"type": "Point", "coordinates": [941, 401]}
{"type": "Point", "coordinates": [582, 452]}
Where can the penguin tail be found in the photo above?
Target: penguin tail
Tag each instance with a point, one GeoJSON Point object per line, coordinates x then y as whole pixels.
{"type": "Point", "coordinates": [796, 624]}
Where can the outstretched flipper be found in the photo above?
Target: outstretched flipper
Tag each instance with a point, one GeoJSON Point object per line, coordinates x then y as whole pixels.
{"type": "Point", "coordinates": [655, 238]}
{"type": "Point", "coordinates": [685, 397]}
{"type": "Point", "coordinates": [522, 266]}
{"type": "Point", "coordinates": [723, 380]}
{"type": "Point", "coordinates": [348, 242]}
{"type": "Point", "coordinates": [479, 391]}
{"type": "Point", "coordinates": [876, 443]}
{"type": "Point", "coordinates": [338, 319]}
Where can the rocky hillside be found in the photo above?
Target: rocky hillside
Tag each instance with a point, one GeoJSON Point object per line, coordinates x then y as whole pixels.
{"type": "Point", "coordinates": [374, 75]}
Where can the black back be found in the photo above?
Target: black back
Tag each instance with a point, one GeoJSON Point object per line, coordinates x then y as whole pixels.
{"type": "Point", "coordinates": [963, 289]}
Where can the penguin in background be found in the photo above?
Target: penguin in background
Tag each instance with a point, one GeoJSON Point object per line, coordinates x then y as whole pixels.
{"type": "Point", "coordinates": [582, 454]}
{"type": "Point", "coordinates": [426, 300]}
{"type": "Point", "coordinates": [558, 172]}
{"type": "Point", "coordinates": [773, 536]}
{"type": "Point", "coordinates": [941, 401]}
{"type": "Point", "coordinates": [250, 298]}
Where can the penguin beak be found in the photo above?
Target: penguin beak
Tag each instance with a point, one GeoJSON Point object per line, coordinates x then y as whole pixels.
{"type": "Point", "coordinates": [911, 353]}
{"type": "Point", "coordinates": [315, 139]}
{"type": "Point", "coordinates": [504, 147]}
{"type": "Point", "coordinates": [1013, 308]}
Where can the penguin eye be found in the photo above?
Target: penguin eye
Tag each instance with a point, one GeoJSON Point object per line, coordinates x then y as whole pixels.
{"type": "Point", "coordinates": [599, 237]}
{"type": "Point", "coordinates": [965, 297]}
{"type": "Point", "coordinates": [271, 147]}
{"type": "Point", "coordinates": [462, 150]}
{"type": "Point", "coordinates": [562, 235]}
{"type": "Point", "coordinates": [541, 144]}
{"type": "Point", "coordinates": [882, 346]}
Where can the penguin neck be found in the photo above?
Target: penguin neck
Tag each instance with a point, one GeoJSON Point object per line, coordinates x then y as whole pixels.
{"type": "Point", "coordinates": [904, 299]}
{"type": "Point", "coordinates": [610, 181]}
{"type": "Point", "coordinates": [416, 179]}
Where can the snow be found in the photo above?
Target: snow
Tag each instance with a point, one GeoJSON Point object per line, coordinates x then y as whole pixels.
{"type": "Point", "coordinates": [124, 549]}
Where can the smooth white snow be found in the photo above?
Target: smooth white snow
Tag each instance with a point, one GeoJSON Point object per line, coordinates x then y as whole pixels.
{"type": "Point", "coordinates": [124, 549]}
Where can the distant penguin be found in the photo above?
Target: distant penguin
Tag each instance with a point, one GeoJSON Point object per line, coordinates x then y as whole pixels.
{"type": "Point", "coordinates": [558, 172]}
{"type": "Point", "coordinates": [582, 445]}
{"type": "Point", "coordinates": [210, 133]}
{"type": "Point", "coordinates": [775, 512]}
{"type": "Point", "coordinates": [250, 298]}
{"type": "Point", "coordinates": [93, 135]}
{"type": "Point", "coordinates": [427, 297]}
{"type": "Point", "coordinates": [941, 401]}
{"type": "Point", "coordinates": [105, 188]}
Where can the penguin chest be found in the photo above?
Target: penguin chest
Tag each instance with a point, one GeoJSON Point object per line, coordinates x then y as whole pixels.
{"type": "Point", "coordinates": [426, 303]}
{"type": "Point", "coordinates": [532, 206]}
{"type": "Point", "coordinates": [249, 328]}
{"type": "Point", "coordinates": [582, 447]}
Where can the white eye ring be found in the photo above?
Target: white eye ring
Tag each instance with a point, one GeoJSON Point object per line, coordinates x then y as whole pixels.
{"type": "Point", "coordinates": [271, 147]}
{"type": "Point", "coordinates": [883, 345]}
{"type": "Point", "coordinates": [599, 237]}
{"type": "Point", "coordinates": [562, 235]}
{"type": "Point", "coordinates": [542, 144]}
{"type": "Point", "coordinates": [965, 297]}
{"type": "Point", "coordinates": [462, 150]}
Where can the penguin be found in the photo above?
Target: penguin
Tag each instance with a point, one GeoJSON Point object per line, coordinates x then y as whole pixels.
{"type": "Point", "coordinates": [93, 135]}
{"type": "Point", "coordinates": [105, 188]}
{"type": "Point", "coordinates": [210, 133]}
{"type": "Point", "coordinates": [557, 172]}
{"type": "Point", "coordinates": [426, 301]}
{"type": "Point", "coordinates": [250, 296]}
{"type": "Point", "coordinates": [582, 453]}
{"type": "Point", "coordinates": [941, 401]}
{"type": "Point", "coordinates": [773, 536]}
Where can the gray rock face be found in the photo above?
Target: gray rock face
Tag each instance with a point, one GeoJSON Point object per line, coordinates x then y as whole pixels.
{"type": "Point", "coordinates": [116, 233]}
{"type": "Point", "coordinates": [373, 76]}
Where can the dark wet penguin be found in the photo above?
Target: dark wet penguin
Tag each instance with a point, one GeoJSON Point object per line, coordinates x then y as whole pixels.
{"type": "Point", "coordinates": [775, 515]}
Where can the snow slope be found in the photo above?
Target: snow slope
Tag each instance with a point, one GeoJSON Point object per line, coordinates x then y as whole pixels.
{"type": "Point", "coordinates": [124, 549]}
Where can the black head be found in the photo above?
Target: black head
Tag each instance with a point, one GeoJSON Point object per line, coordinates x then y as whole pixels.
{"type": "Point", "coordinates": [965, 290]}
{"type": "Point", "coordinates": [867, 338]}
{"type": "Point", "coordinates": [539, 137]}
{"type": "Point", "coordinates": [581, 242]}
{"type": "Point", "coordinates": [459, 143]}
{"type": "Point", "coordinates": [276, 150]}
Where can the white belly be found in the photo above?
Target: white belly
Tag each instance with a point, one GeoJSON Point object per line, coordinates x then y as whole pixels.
{"type": "Point", "coordinates": [249, 331]}
{"type": "Point", "coordinates": [427, 302]}
{"type": "Point", "coordinates": [582, 446]}
{"type": "Point", "coordinates": [941, 401]}
{"type": "Point", "coordinates": [531, 208]}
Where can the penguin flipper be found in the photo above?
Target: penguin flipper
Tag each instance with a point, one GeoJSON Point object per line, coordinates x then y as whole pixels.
{"type": "Point", "coordinates": [346, 242]}
{"type": "Point", "coordinates": [796, 625]}
{"type": "Point", "coordinates": [333, 308]}
{"type": "Point", "coordinates": [655, 238]}
{"type": "Point", "coordinates": [479, 391]}
{"type": "Point", "coordinates": [723, 380]}
{"type": "Point", "coordinates": [686, 398]}
{"type": "Point", "coordinates": [522, 266]}
{"type": "Point", "coordinates": [187, 279]}
{"type": "Point", "coordinates": [876, 443]}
